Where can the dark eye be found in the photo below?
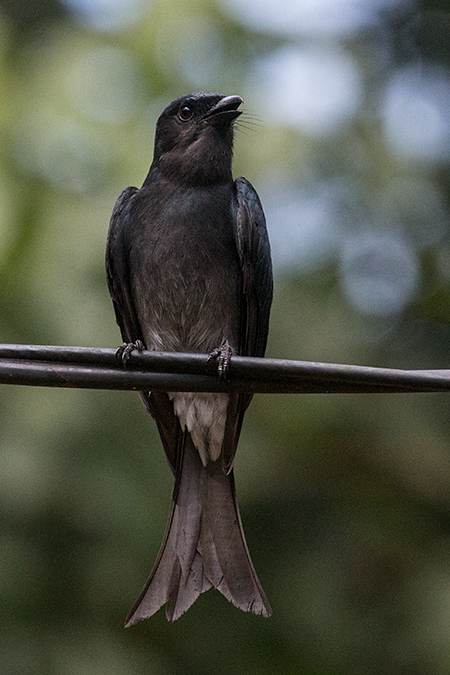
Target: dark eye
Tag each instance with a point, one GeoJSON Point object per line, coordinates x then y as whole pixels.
{"type": "Point", "coordinates": [185, 113]}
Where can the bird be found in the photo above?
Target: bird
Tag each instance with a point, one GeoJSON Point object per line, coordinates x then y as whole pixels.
{"type": "Point", "coordinates": [189, 269]}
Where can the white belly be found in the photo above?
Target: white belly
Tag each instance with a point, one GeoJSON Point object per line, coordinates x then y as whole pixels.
{"type": "Point", "coordinates": [204, 416]}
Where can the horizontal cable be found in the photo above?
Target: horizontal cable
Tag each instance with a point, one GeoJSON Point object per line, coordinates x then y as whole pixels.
{"type": "Point", "coordinates": [98, 368]}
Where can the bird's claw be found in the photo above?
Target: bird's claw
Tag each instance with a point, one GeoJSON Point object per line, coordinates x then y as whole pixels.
{"type": "Point", "coordinates": [125, 350]}
{"type": "Point", "coordinates": [223, 355]}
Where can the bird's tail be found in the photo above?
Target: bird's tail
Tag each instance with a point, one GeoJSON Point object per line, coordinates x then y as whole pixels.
{"type": "Point", "coordinates": [204, 546]}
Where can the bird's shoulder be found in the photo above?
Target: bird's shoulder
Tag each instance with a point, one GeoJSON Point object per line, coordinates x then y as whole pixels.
{"type": "Point", "coordinates": [117, 220]}
{"type": "Point", "coordinates": [116, 261]}
{"type": "Point", "coordinates": [247, 193]}
{"type": "Point", "coordinates": [123, 201]}
{"type": "Point", "coordinates": [253, 247]}
{"type": "Point", "coordinates": [250, 224]}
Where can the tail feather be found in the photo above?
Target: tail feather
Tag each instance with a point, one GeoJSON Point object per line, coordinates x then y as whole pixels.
{"type": "Point", "coordinates": [203, 546]}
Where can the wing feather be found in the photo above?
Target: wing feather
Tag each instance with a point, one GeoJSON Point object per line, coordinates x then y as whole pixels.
{"type": "Point", "coordinates": [158, 404]}
{"type": "Point", "coordinates": [117, 272]}
{"type": "Point", "coordinates": [253, 247]}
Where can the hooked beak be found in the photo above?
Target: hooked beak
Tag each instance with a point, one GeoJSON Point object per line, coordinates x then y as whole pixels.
{"type": "Point", "coordinates": [226, 109]}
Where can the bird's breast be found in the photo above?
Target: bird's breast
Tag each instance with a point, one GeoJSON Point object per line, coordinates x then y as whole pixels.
{"type": "Point", "coordinates": [186, 274]}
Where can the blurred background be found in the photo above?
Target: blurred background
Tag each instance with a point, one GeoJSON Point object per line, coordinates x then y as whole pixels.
{"type": "Point", "coordinates": [345, 499]}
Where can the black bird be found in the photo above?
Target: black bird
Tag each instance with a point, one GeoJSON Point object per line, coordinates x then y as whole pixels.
{"type": "Point", "coordinates": [189, 269]}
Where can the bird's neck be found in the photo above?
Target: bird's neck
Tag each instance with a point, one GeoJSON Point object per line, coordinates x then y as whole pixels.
{"type": "Point", "coordinates": [195, 169]}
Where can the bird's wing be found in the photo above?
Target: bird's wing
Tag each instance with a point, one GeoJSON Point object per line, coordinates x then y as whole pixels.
{"type": "Point", "coordinates": [158, 404]}
{"type": "Point", "coordinates": [256, 267]}
{"type": "Point", "coordinates": [256, 297]}
{"type": "Point", "coordinates": [117, 272]}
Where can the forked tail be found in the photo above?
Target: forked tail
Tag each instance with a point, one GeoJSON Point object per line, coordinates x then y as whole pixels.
{"type": "Point", "coordinates": [204, 546]}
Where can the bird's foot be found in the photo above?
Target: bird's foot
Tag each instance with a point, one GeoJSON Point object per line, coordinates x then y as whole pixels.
{"type": "Point", "coordinates": [125, 350]}
{"type": "Point", "coordinates": [223, 355]}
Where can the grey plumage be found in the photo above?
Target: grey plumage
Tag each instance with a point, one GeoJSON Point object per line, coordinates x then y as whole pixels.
{"type": "Point", "coordinates": [188, 267]}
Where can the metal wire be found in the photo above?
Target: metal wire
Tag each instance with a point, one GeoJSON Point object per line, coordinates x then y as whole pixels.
{"type": "Point", "coordinates": [98, 368]}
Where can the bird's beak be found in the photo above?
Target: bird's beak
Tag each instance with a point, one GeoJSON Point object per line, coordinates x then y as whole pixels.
{"type": "Point", "coordinates": [226, 108]}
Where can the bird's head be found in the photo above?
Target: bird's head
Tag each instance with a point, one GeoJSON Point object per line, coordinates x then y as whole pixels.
{"type": "Point", "coordinates": [194, 138]}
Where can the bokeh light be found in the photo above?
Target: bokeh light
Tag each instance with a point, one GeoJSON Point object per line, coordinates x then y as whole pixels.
{"type": "Point", "coordinates": [379, 272]}
{"type": "Point", "coordinates": [416, 112]}
{"type": "Point", "coordinates": [107, 15]}
{"type": "Point", "coordinates": [316, 89]}
{"type": "Point", "coordinates": [303, 226]}
{"type": "Point", "coordinates": [304, 17]}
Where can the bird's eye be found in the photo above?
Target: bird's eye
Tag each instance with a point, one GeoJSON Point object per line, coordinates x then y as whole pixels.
{"type": "Point", "coordinates": [185, 113]}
